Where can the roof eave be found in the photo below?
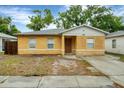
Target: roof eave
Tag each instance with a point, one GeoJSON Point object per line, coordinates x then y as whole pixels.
{"type": "Point", "coordinates": [114, 36]}
{"type": "Point", "coordinates": [105, 32]}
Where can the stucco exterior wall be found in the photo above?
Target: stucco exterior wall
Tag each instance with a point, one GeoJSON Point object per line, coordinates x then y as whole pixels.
{"type": "Point", "coordinates": [73, 45]}
{"type": "Point", "coordinates": [81, 45]}
{"type": "Point", "coordinates": [119, 45]}
{"type": "Point", "coordinates": [41, 45]}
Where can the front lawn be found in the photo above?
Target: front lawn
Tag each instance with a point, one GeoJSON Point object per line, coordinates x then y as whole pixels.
{"type": "Point", "coordinates": [44, 65]}
{"type": "Point", "coordinates": [121, 57]}
{"type": "Point", "coordinates": [29, 65]}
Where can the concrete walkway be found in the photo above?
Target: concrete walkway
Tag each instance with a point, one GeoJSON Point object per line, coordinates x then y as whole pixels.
{"type": "Point", "coordinates": [109, 66]}
{"type": "Point", "coordinates": [56, 82]}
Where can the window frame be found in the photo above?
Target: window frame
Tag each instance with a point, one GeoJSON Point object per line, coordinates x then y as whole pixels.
{"type": "Point", "coordinates": [90, 43]}
{"type": "Point", "coordinates": [29, 41]}
{"type": "Point", "coordinates": [114, 43]}
{"type": "Point", "coordinates": [50, 43]}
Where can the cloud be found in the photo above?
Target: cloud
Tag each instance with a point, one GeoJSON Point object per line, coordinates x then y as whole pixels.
{"type": "Point", "coordinates": [19, 15]}
{"type": "Point", "coordinates": [51, 26]}
{"type": "Point", "coordinates": [84, 7]}
{"type": "Point", "coordinates": [67, 7]}
{"type": "Point", "coordinates": [118, 10]}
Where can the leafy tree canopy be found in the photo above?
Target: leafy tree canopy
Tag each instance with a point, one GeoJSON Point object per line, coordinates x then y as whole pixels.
{"type": "Point", "coordinates": [40, 20]}
{"type": "Point", "coordinates": [96, 16]}
{"type": "Point", "coordinates": [7, 27]}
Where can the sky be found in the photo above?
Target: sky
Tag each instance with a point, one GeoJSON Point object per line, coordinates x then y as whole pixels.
{"type": "Point", "coordinates": [20, 13]}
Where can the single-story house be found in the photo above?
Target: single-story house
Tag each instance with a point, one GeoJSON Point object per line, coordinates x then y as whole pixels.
{"type": "Point", "coordinates": [83, 40]}
{"type": "Point", "coordinates": [114, 42]}
{"type": "Point", "coordinates": [3, 38]}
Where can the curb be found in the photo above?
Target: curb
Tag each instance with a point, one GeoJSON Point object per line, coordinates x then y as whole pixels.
{"type": "Point", "coordinates": [4, 79]}
{"type": "Point", "coordinates": [117, 81]}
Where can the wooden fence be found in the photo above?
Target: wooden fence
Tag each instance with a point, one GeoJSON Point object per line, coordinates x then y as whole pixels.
{"type": "Point", "coordinates": [11, 47]}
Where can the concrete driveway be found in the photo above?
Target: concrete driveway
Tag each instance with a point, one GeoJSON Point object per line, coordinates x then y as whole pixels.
{"type": "Point", "coordinates": [56, 82]}
{"type": "Point", "coordinates": [110, 66]}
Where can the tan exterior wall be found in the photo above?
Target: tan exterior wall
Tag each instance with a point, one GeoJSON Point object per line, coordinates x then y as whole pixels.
{"type": "Point", "coordinates": [81, 45]}
{"type": "Point", "coordinates": [41, 46]}
{"type": "Point", "coordinates": [73, 44]}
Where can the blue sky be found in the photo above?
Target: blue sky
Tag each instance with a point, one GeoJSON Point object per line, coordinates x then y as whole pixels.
{"type": "Point", "coordinates": [20, 13]}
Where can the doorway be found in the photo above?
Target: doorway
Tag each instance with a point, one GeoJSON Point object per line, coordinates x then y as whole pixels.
{"type": "Point", "coordinates": [68, 45]}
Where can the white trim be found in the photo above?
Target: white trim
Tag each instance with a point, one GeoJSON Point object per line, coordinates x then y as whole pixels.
{"type": "Point", "coordinates": [84, 25]}
{"type": "Point", "coordinates": [30, 40]}
{"type": "Point", "coordinates": [87, 42]}
{"type": "Point", "coordinates": [3, 35]}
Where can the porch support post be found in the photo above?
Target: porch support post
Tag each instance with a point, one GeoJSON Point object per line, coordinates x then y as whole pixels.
{"type": "Point", "coordinates": [77, 44]}
{"type": "Point", "coordinates": [63, 45]}
{"type": "Point", "coordinates": [0, 44]}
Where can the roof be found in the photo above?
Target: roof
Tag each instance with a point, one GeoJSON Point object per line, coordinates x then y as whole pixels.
{"type": "Point", "coordinates": [7, 36]}
{"type": "Point", "coordinates": [58, 31]}
{"type": "Point", "coordinates": [86, 26]}
{"type": "Point", "coordinates": [115, 34]}
{"type": "Point", "coordinates": [44, 32]}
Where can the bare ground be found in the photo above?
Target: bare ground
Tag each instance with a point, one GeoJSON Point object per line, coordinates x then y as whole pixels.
{"type": "Point", "coordinates": [44, 65]}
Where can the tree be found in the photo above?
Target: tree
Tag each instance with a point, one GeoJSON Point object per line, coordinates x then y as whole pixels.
{"type": "Point", "coordinates": [40, 20]}
{"type": "Point", "coordinates": [72, 17]}
{"type": "Point", "coordinates": [97, 16]}
{"type": "Point", "coordinates": [7, 27]}
{"type": "Point", "coordinates": [103, 18]}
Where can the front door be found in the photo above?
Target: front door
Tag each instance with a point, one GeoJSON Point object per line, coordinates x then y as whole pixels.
{"type": "Point", "coordinates": [68, 45]}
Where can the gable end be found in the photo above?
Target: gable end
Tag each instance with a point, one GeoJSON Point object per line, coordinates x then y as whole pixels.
{"type": "Point", "coordinates": [83, 31]}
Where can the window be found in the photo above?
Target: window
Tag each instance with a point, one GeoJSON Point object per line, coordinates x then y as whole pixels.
{"type": "Point", "coordinates": [32, 43]}
{"type": "Point", "coordinates": [50, 43]}
{"type": "Point", "coordinates": [90, 43]}
{"type": "Point", "coordinates": [114, 43]}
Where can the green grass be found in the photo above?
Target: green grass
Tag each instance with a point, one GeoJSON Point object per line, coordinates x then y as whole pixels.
{"type": "Point", "coordinates": [48, 59]}
{"type": "Point", "coordinates": [25, 66]}
{"type": "Point", "coordinates": [118, 55]}
{"type": "Point", "coordinates": [1, 53]}
{"type": "Point", "coordinates": [10, 61]}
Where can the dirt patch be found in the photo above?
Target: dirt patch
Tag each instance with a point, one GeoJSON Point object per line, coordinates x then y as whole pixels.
{"type": "Point", "coordinates": [117, 85]}
{"type": "Point", "coordinates": [73, 67]}
{"type": "Point", "coordinates": [43, 65]}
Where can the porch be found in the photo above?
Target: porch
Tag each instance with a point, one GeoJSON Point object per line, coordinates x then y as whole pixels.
{"type": "Point", "coordinates": [4, 38]}
{"type": "Point", "coordinates": [69, 45]}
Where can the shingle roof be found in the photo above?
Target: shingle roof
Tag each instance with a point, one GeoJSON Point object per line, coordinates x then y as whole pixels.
{"type": "Point", "coordinates": [7, 36]}
{"type": "Point", "coordinates": [44, 32]}
{"type": "Point", "coordinates": [115, 34]}
{"type": "Point", "coordinates": [58, 31]}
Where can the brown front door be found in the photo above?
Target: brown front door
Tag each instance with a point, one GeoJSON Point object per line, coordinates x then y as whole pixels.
{"type": "Point", "coordinates": [68, 45]}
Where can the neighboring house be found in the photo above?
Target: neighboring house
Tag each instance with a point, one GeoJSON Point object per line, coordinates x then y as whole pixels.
{"type": "Point", "coordinates": [114, 42]}
{"type": "Point", "coordinates": [83, 40]}
{"type": "Point", "coordinates": [3, 38]}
